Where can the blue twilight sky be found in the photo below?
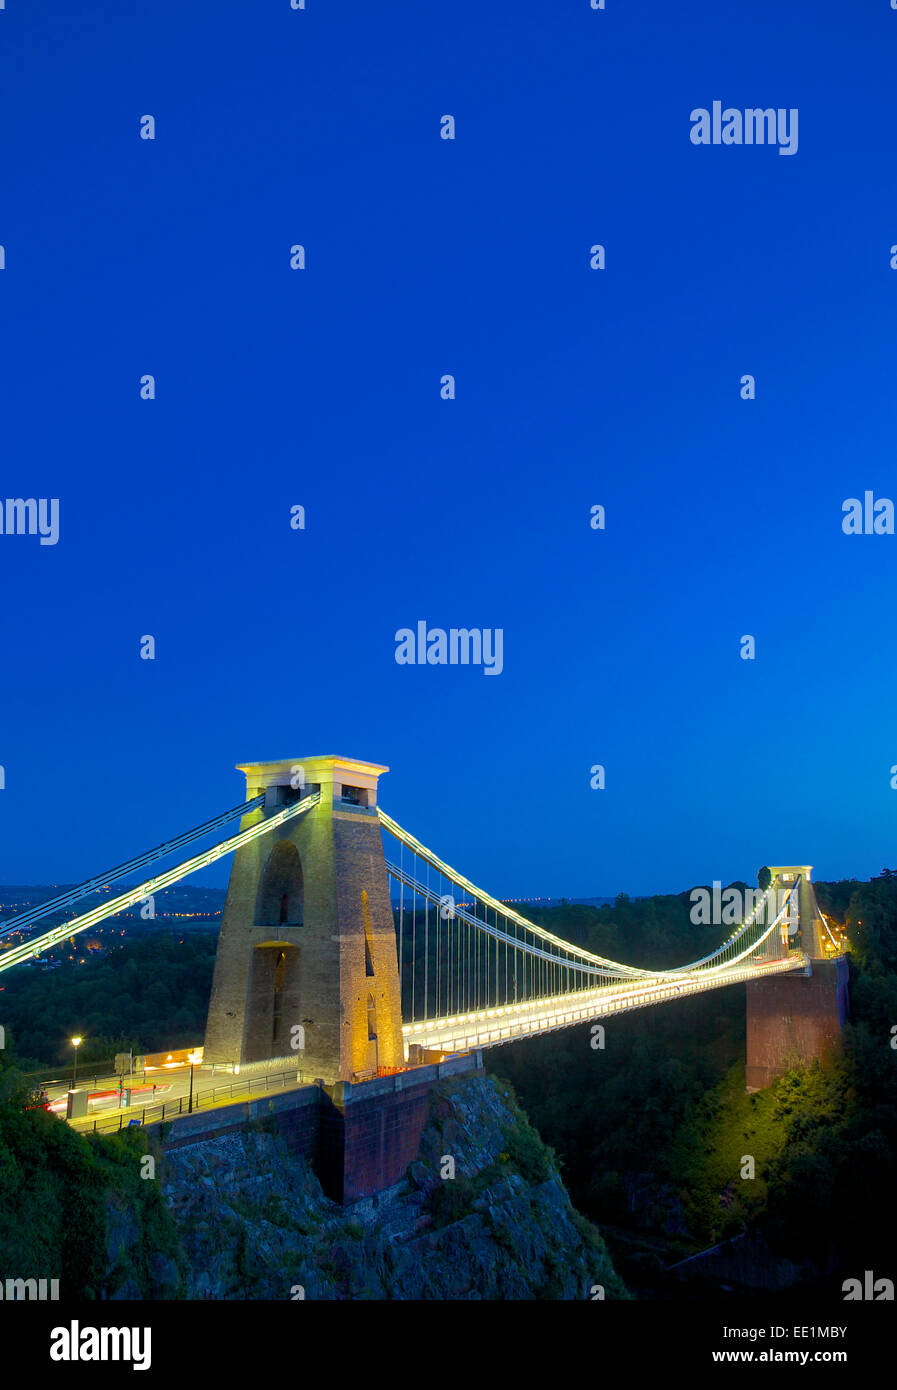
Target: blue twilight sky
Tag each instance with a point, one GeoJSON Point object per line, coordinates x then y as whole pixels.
{"type": "Point", "coordinates": [574, 387]}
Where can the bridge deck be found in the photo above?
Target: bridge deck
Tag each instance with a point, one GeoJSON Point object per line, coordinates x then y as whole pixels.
{"type": "Point", "coordinates": [491, 1027]}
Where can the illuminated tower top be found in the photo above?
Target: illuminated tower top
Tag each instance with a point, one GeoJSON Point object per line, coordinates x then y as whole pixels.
{"type": "Point", "coordinates": [789, 872]}
{"type": "Point", "coordinates": [342, 782]}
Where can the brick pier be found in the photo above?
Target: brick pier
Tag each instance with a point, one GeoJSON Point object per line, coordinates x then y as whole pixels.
{"type": "Point", "coordinates": [792, 1019]}
{"type": "Point", "coordinates": [359, 1139]}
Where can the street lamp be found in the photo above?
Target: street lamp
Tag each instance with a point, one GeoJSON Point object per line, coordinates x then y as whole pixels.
{"type": "Point", "coordinates": [76, 1043]}
{"type": "Point", "coordinates": [192, 1058]}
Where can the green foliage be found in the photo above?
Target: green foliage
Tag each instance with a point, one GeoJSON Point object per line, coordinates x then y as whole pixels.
{"type": "Point", "coordinates": [834, 898]}
{"type": "Point", "coordinates": [450, 1200]}
{"type": "Point", "coordinates": [152, 992]}
{"type": "Point", "coordinates": [534, 1161]}
{"type": "Point", "coordinates": [58, 1192]}
{"type": "Point", "coordinates": [503, 1235]}
{"type": "Point", "coordinates": [273, 1210]}
{"type": "Point", "coordinates": [556, 1276]}
{"type": "Point", "coordinates": [612, 1113]}
{"type": "Point", "coordinates": [871, 926]}
{"type": "Point", "coordinates": [653, 1129]}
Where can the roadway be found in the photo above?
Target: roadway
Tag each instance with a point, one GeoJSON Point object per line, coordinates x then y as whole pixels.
{"type": "Point", "coordinates": [168, 1086]}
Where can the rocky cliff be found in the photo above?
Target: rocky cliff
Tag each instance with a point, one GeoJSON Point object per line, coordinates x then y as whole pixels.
{"type": "Point", "coordinates": [482, 1214]}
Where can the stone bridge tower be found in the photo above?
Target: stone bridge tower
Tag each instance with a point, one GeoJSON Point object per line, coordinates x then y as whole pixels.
{"type": "Point", "coordinates": [307, 949]}
{"type": "Point", "coordinates": [792, 1019]}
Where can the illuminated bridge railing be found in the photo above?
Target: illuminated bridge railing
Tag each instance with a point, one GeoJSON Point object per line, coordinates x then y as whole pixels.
{"type": "Point", "coordinates": [157, 1111]}
{"type": "Point", "coordinates": [509, 1023]}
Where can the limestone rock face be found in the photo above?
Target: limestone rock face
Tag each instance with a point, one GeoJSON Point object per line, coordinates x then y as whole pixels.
{"type": "Point", "coordinates": [253, 1222]}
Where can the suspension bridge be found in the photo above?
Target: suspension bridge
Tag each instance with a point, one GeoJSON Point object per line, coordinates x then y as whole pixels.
{"type": "Point", "coordinates": [345, 937]}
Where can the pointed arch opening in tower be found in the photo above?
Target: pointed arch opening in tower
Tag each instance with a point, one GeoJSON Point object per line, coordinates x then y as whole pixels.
{"type": "Point", "coordinates": [274, 998]}
{"type": "Point", "coordinates": [280, 970]}
{"type": "Point", "coordinates": [280, 899]}
{"type": "Point", "coordinates": [368, 934]}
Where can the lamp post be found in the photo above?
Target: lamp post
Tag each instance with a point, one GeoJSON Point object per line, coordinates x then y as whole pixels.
{"type": "Point", "coordinates": [190, 1106]}
{"type": "Point", "coordinates": [76, 1043]}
